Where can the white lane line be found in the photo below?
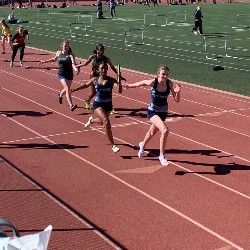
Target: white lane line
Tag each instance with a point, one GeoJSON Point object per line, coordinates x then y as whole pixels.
{"type": "Point", "coordinates": [37, 137]}
{"type": "Point", "coordinates": [234, 131]}
{"type": "Point", "coordinates": [196, 223]}
{"type": "Point", "coordinates": [206, 90]}
{"type": "Point", "coordinates": [62, 205]}
{"type": "Point", "coordinates": [146, 123]}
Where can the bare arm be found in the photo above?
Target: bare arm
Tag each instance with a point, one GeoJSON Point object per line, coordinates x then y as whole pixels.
{"type": "Point", "coordinates": [175, 90]}
{"type": "Point", "coordinates": [53, 59]}
{"type": "Point", "coordinates": [84, 85]}
{"type": "Point", "coordinates": [138, 84]}
{"type": "Point", "coordinates": [116, 83]}
{"type": "Point", "coordinates": [73, 60]}
{"type": "Point", "coordinates": [89, 60]}
{"type": "Point", "coordinates": [113, 68]}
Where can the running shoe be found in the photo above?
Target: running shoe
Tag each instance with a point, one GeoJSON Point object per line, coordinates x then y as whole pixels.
{"type": "Point", "coordinates": [21, 63]}
{"type": "Point", "coordinates": [60, 99]}
{"type": "Point", "coordinates": [73, 107]}
{"type": "Point", "coordinates": [112, 112]}
{"type": "Point", "coordinates": [89, 122]}
{"type": "Point", "coordinates": [11, 64]}
{"type": "Point", "coordinates": [141, 150]}
{"type": "Point", "coordinates": [115, 149]}
{"type": "Point", "coordinates": [163, 160]}
{"type": "Point", "coordinates": [87, 105]}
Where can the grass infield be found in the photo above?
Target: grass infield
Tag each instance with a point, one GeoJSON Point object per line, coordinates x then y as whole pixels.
{"type": "Point", "coordinates": [154, 36]}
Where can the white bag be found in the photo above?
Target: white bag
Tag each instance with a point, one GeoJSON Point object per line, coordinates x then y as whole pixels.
{"type": "Point", "coordinates": [37, 241]}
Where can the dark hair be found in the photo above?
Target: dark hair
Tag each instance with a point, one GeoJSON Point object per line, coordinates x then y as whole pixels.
{"type": "Point", "coordinates": [3, 22]}
{"type": "Point", "coordinates": [99, 46]}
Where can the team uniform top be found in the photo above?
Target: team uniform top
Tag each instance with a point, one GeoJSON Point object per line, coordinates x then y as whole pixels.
{"type": "Point", "coordinates": [159, 99]}
{"type": "Point", "coordinates": [103, 91]}
{"type": "Point", "coordinates": [65, 65]}
{"type": "Point", "coordinates": [17, 38]}
{"type": "Point", "coordinates": [96, 62]}
{"type": "Point", "coordinates": [6, 31]}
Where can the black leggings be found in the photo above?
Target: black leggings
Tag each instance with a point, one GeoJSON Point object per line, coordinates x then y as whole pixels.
{"type": "Point", "coordinates": [15, 49]}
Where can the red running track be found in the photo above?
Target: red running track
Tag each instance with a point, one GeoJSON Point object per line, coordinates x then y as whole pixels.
{"type": "Point", "coordinates": [53, 171]}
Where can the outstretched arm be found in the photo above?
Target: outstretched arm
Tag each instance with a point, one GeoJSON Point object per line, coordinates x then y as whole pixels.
{"type": "Point", "coordinates": [89, 60]}
{"type": "Point", "coordinates": [53, 59]}
{"type": "Point", "coordinates": [114, 68]}
{"type": "Point", "coordinates": [84, 85]}
{"type": "Point", "coordinates": [138, 84]}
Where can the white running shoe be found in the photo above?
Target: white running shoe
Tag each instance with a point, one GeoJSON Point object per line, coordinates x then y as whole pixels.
{"type": "Point", "coordinates": [163, 160]}
{"type": "Point", "coordinates": [89, 122]}
{"type": "Point", "coordinates": [141, 150]}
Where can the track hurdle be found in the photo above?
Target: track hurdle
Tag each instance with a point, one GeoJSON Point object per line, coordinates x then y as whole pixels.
{"type": "Point", "coordinates": [179, 16]}
{"type": "Point", "coordinates": [79, 27]}
{"type": "Point", "coordinates": [134, 36]}
{"type": "Point", "coordinates": [243, 21]}
{"type": "Point", "coordinates": [155, 19]}
{"type": "Point", "coordinates": [214, 42]}
{"type": "Point", "coordinates": [88, 19]}
{"type": "Point", "coordinates": [149, 16]}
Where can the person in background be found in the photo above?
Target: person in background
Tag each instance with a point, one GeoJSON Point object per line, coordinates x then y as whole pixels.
{"type": "Point", "coordinates": [102, 105]}
{"type": "Point", "coordinates": [30, 3]}
{"type": "Point", "coordinates": [161, 87]}
{"type": "Point", "coordinates": [198, 21]}
{"type": "Point", "coordinates": [18, 43]}
{"type": "Point", "coordinates": [6, 35]}
{"type": "Point", "coordinates": [11, 18]}
{"type": "Point", "coordinates": [99, 9]}
{"type": "Point", "coordinates": [112, 5]}
{"type": "Point", "coordinates": [66, 62]}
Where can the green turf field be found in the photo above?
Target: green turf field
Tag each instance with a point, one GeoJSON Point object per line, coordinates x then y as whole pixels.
{"type": "Point", "coordinates": [167, 39]}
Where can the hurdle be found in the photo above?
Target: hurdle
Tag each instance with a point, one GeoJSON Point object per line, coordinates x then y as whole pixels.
{"type": "Point", "coordinates": [43, 15]}
{"type": "Point", "coordinates": [155, 21]}
{"type": "Point", "coordinates": [223, 39]}
{"type": "Point", "coordinates": [239, 21]}
{"type": "Point", "coordinates": [89, 18]}
{"type": "Point", "coordinates": [176, 14]}
{"type": "Point", "coordinates": [73, 26]}
{"type": "Point", "coordinates": [136, 40]}
{"type": "Point", "coordinates": [145, 19]}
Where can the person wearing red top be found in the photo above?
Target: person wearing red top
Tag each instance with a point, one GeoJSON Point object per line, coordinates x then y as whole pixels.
{"type": "Point", "coordinates": [18, 42]}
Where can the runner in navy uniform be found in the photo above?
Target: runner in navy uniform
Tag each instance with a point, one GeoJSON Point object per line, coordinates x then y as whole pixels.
{"type": "Point", "coordinates": [97, 58]}
{"type": "Point", "coordinates": [102, 105]}
{"type": "Point", "coordinates": [158, 108]}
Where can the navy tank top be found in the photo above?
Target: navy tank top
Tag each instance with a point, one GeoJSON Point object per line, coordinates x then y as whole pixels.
{"type": "Point", "coordinates": [103, 91]}
{"type": "Point", "coordinates": [159, 101]}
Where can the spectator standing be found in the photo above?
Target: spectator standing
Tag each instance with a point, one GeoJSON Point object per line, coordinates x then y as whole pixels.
{"type": "Point", "coordinates": [99, 9]}
{"type": "Point", "coordinates": [112, 5]}
{"type": "Point", "coordinates": [198, 21]}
